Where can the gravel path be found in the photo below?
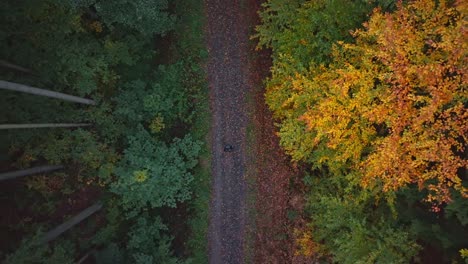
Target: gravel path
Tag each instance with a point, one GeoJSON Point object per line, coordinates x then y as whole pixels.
{"type": "Point", "coordinates": [226, 39]}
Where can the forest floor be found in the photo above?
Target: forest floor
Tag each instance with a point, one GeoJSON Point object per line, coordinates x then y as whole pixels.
{"type": "Point", "coordinates": [256, 199]}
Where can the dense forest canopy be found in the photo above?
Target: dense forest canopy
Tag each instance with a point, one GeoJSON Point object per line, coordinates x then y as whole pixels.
{"type": "Point", "coordinates": [371, 95]}
{"type": "Point", "coordinates": [369, 98]}
{"type": "Point", "coordinates": [136, 155]}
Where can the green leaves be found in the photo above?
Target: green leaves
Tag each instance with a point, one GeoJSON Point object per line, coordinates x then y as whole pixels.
{"type": "Point", "coordinates": [354, 226]}
{"type": "Point", "coordinates": [161, 103]}
{"type": "Point", "coordinates": [389, 108]}
{"type": "Point", "coordinates": [145, 16]}
{"type": "Point", "coordinates": [375, 109]}
{"type": "Point", "coordinates": [102, 50]}
{"type": "Point", "coordinates": [154, 174]}
{"type": "Point", "coordinates": [30, 252]}
{"type": "Point", "coordinates": [148, 244]}
{"type": "Point", "coordinates": [306, 30]}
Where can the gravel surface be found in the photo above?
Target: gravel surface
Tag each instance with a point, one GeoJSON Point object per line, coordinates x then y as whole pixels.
{"type": "Point", "coordinates": [226, 39]}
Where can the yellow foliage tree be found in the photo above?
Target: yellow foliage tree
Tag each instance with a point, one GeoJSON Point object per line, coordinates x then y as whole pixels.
{"type": "Point", "coordinates": [390, 110]}
{"type": "Point", "coordinates": [423, 48]}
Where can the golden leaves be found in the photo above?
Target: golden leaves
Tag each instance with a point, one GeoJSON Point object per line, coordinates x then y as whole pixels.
{"type": "Point", "coordinates": [96, 26]}
{"type": "Point", "coordinates": [391, 108]}
{"type": "Point", "coordinates": [157, 124]}
{"type": "Point", "coordinates": [305, 245]}
{"type": "Point", "coordinates": [425, 106]}
{"type": "Point", "coordinates": [140, 176]}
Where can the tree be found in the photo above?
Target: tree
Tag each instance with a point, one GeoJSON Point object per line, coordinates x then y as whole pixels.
{"type": "Point", "coordinates": [104, 51]}
{"type": "Point", "coordinates": [9, 65]}
{"type": "Point", "coordinates": [57, 231]}
{"type": "Point", "coordinates": [153, 174]}
{"type": "Point", "coordinates": [32, 90]}
{"type": "Point", "coordinates": [22, 126]}
{"type": "Point", "coordinates": [30, 252]}
{"type": "Point", "coordinates": [148, 17]}
{"type": "Point", "coordinates": [303, 32]}
{"type": "Point", "coordinates": [390, 109]}
{"type": "Point", "coordinates": [301, 35]}
{"type": "Point", "coordinates": [30, 171]}
{"type": "Point", "coordinates": [162, 103]}
{"type": "Point", "coordinates": [77, 147]}
{"type": "Point", "coordinates": [148, 244]}
{"type": "Point", "coordinates": [65, 48]}
{"type": "Point", "coordinates": [354, 236]}
{"type": "Point", "coordinates": [425, 106]}
{"type": "Point", "coordinates": [376, 114]}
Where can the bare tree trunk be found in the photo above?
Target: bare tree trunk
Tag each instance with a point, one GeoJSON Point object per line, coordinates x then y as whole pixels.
{"type": "Point", "coordinates": [6, 64]}
{"type": "Point", "coordinates": [86, 256]}
{"type": "Point", "coordinates": [22, 126]}
{"type": "Point", "coordinates": [54, 233]}
{"type": "Point", "coordinates": [27, 172]}
{"type": "Point", "coordinates": [42, 92]}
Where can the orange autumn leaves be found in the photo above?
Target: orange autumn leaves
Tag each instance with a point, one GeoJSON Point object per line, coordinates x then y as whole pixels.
{"type": "Point", "coordinates": [423, 47]}
{"type": "Point", "coordinates": [390, 110]}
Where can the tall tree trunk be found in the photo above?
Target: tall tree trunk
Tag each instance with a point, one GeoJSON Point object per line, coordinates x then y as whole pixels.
{"type": "Point", "coordinates": [20, 126]}
{"type": "Point", "coordinates": [27, 172]}
{"type": "Point", "coordinates": [86, 256]}
{"type": "Point", "coordinates": [54, 233]}
{"type": "Point", "coordinates": [6, 64]}
{"type": "Point", "coordinates": [42, 92]}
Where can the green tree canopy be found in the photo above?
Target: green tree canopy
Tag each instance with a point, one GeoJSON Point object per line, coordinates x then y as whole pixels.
{"type": "Point", "coordinates": [154, 174]}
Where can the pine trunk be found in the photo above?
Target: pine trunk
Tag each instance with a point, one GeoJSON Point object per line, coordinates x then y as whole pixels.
{"type": "Point", "coordinates": [23, 126]}
{"type": "Point", "coordinates": [27, 172]}
{"type": "Point", "coordinates": [6, 64]}
{"type": "Point", "coordinates": [42, 92]}
{"type": "Point", "coordinates": [54, 233]}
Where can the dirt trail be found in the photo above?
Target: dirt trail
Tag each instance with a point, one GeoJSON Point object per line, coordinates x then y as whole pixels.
{"type": "Point", "coordinates": [227, 38]}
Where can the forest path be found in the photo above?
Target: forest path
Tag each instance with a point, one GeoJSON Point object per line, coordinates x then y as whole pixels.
{"type": "Point", "coordinates": [227, 40]}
